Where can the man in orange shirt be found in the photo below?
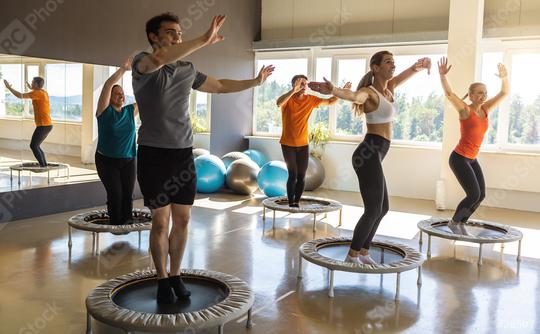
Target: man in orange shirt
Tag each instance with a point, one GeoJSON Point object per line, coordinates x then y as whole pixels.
{"type": "Point", "coordinates": [42, 115]}
{"type": "Point", "coordinates": [296, 107]}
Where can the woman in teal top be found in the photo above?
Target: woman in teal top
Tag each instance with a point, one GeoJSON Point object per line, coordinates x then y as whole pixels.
{"type": "Point", "coordinates": [116, 150]}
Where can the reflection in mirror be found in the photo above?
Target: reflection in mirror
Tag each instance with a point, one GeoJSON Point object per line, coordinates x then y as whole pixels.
{"type": "Point", "coordinates": [41, 126]}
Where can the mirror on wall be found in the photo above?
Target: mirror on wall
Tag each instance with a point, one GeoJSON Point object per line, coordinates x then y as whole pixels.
{"type": "Point", "coordinates": [29, 138]}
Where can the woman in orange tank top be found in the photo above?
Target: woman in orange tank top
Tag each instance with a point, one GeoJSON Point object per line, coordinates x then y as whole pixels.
{"type": "Point", "coordinates": [473, 119]}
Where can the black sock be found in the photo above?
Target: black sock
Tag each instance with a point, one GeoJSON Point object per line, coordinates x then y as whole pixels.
{"type": "Point", "coordinates": [164, 292]}
{"type": "Point", "coordinates": [178, 286]}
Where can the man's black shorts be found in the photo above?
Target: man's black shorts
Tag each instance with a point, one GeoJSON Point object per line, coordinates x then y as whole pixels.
{"type": "Point", "coordinates": [166, 176]}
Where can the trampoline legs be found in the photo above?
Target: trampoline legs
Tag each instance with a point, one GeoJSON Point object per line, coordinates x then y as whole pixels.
{"type": "Point", "coordinates": [139, 239]}
{"type": "Point", "coordinates": [88, 323]}
{"type": "Point", "coordinates": [480, 255]}
{"type": "Point", "coordinates": [340, 216]}
{"type": "Point", "coordinates": [429, 246]}
{"type": "Point", "coordinates": [249, 324]}
{"type": "Point", "coordinates": [314, 222]}
{"type": "Point", "coordinates": [264, 213]}
{"type": "Point", "coordinates": [299, 267]}
{"type": "Point", "coordinates": [273, 219]}
{"type": "Point", "coordinates": [331, 288]}
{"type": "Point", "coordinates": [420, 238]}
{"type": "Point", "coordinates": [397, 285]}
{"type": "Point", "coordinates": [220, 329]}
{"type": "Point", "coordinates": [69, 237]}
{"type": "Point", "coordinates": [97, 243]}
{"type": "Point", "coordinates": [93, 242]}
{"type": "Point", "coordinates": [518, 259]}
{"type": "Point", "coordinates": [419, 280]}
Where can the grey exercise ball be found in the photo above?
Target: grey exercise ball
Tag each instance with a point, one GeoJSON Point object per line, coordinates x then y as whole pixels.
{"type": "Point", "coordinates": [233, 156]}
{"type": "Point", "coordinates": [242, 176]}
{"type": "Point", "coordinates": [200, 151]}
{"type": "Point", "coordinates": [314, 174]}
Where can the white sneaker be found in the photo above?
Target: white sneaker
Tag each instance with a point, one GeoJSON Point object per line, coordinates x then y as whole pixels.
{"type": "Point", "coordinates": [352, 259]}
{"type": "Point", "coordinates": [366, 259]}
{"type": "Point", "coordinates": [453, 226]}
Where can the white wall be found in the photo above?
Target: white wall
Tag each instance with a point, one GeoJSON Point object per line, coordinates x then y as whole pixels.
{"type": "Point", "coordinates": [201, 140]}
{"type": "Point", "coordinates": [64, 139]}
{"type": "Point", "coordinates": [512, 180]}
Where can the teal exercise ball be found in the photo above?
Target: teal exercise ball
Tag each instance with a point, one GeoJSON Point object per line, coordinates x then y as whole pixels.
{"type": "Point", "coordinates": [272, 178]}
{"type": "Point", "coordinates": [257, 156]}
{"type": "Point", "coordinates": [210, 173]}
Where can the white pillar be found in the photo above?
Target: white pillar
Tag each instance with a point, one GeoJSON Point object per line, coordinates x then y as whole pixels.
{"type": "Point", "coordinates": [93, 78]}
{"type": "Point", "coordinates": [464, 38]}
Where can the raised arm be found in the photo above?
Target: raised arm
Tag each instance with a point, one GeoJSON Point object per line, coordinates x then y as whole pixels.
{"type": "Point", "coordinates": [326, 87]}
{"type": "Point", "coordinates": [421, 64]}
{"type": "Point", "coordinates": [497, 99]}
{"type": "Point", "coordinates": [13, 91]}
{"type": "Point", "coordinates": [282, 100]}
{"type": "Point", "coordinates": [105, 96]}
{"type": "Point", "coordinates": [444, 68]}
{"type": "Point", "coordinates": [334, 99]}
{"type": "Point", "coordinates": [213, 85]}
{"type": "Point", "coordinates": [169, 54]}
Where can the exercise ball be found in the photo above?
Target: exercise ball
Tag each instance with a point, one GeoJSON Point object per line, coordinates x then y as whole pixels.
{"type": "Point", "coordinates": [272, 178]}
{"type": "Point", "coordinates": [314, 174]}
{"type": "Point", "coordinates": [200, 151]}
{"type": "Point", "coordinates": [233, 156]}
{"type": "Point", "coordinates": [242, 176]}
{"type": "Point", "coordinates": [210, 173]}
{"type": "Point", "coordinates": [256, 156]}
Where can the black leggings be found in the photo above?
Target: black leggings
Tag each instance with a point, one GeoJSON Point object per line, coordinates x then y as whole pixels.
{"type": "Point", "coordinates": [297, 159]}
{"type": "Point", "coordinates": [366, 161]}
{"type": "Point", "coordinates": [471, 179]}
{"type": "Point", "coordinates": [39, 135]}
{"type": "Point", "coordinates": [118, 177]}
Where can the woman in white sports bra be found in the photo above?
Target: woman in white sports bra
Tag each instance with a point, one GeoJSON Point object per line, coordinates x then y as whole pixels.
{"type": "Point", "coordinates": [373, 97]}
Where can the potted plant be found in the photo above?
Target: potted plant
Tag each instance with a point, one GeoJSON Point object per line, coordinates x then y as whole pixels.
{"type": "Point", "coordinates": [318, 137]}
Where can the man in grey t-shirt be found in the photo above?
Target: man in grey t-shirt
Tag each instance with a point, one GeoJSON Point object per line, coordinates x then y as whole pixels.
{"type": "Point", "coordinates": [165, 169]}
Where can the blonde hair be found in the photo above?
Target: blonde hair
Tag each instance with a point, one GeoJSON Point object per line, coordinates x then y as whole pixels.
{"type": "Point", "coordinates": [471, 87]}
{"type": "Point", "coordinates": [367, 79]}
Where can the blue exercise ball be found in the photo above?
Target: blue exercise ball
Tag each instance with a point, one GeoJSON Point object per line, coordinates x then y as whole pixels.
{"type": "Point", "coordinates": [256, 156]}
{"type": "Point", "coordinates": [210, 173]}
{"type": "Point", "coordinates": [272, 178]}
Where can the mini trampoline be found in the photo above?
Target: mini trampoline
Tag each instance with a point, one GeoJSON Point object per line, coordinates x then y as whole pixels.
{"type": "Point", "coordinates": [331, 252]}
{"type": "Point", "coordinates": [34, 167]}
{"type": "Point", "coordinates": [98, 222]}
{"type": "Point", "coordinates": [128, 302]}
{"type": "Point", "coordinates": [308, 204]}
{"type": "Point", "coordinates": [476, 231]}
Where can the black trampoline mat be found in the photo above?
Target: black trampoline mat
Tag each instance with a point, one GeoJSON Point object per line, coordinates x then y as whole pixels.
{"type": "Point", "coordinates": [472, 230]}
{"type": "Point", "coordinates": [305, 203]}
{"type": "Point", "coordinates": [104, 220]}
{"type": "Point", "coordinates": [339, 252]}
{"type": "Point", "coordinates": [140, 296]}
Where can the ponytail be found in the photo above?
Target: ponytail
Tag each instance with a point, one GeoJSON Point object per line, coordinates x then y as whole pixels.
{"type": "Point", "coordinates": [367, 80]}
{"type": "Point", "coordinates": [464, 97]}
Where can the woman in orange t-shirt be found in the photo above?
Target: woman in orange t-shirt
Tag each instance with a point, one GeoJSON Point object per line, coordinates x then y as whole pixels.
{"type": "Point", "coordinates": [42, 115]}
{"type": "Point", "coordinates": [474, 124]}
{"type": "Point", "coordinates": [296, 107]}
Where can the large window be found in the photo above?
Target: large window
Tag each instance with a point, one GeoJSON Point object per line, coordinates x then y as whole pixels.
{"type": "Point", "coordinates": [268, 115]}
{"type": "Point", "coordinates": [348, 70]}
{"type": "Point", "coordinates": [63, 82]}
{"type": "Point", "coordinates": [9, 104]}
{"type": "Point", "coordinates": [419, 102]}
{"type": "Point", "coordinates": [493, 85]}
{"type": "Point", "coordinates": [524, 112]}
{"type": "Point", "coordinates": [200, 111]}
